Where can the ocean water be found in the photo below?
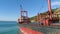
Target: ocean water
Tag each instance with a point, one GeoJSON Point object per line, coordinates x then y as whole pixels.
{"type": "Point", "coordinates": [9, 27]}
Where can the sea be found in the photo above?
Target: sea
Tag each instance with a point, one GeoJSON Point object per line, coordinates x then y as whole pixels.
{"type": "Point", "coordinates": [12, 27]}
{"type": "Point", "coordinates": [9, 27]}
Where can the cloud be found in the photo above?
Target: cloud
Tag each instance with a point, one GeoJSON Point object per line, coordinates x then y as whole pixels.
{"type": "Point", "coordinates": [55, 3]}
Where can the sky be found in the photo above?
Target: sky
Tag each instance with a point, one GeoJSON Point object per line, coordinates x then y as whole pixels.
{"type": "Point", "coordinates": [10, 9]}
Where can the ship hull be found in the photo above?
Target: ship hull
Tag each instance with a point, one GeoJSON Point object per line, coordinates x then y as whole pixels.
{"type": "Point", "coordinates": [37, 29]}
{"type": "Point", "coordinates": [29, 31]}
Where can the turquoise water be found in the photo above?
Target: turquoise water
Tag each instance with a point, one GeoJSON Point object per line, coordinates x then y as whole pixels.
{"type": "Point", "coordinates": [9, 27]}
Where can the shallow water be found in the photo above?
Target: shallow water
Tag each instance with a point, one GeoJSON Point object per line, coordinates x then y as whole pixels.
{"type": "Point", "coordinates": [9, 27]}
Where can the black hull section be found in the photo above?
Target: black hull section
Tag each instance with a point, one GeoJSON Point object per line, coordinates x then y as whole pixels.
{"type": "Point", "coordinates": [20, 22]}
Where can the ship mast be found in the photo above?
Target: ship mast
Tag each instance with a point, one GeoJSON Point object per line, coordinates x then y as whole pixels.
{"type": "Point", "coordinates": [21, 9]}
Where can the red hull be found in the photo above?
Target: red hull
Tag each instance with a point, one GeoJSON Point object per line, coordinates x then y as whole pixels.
{"type": "Point", "coordinates": [28, 31]}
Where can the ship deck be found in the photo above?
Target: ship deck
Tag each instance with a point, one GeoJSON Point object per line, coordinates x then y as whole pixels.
{"type": "Point", "coordinates": [44, 29]}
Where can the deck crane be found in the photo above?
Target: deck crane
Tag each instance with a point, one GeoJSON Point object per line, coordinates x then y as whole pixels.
{"type": "Point", "coordinates": [23, 19]}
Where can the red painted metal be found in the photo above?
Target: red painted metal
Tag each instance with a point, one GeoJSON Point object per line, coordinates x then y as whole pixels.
{"type": "Point", "coordinates": [23, 16]}
{"type": "Point", "coordinates": [38, 17]}
{"type": "Point", "coordinates": [27, 15]}
{"type": "Point", "coordinates": [46, 20]}
{"type": "Point", "coordinates": [49, 9]}
{"type": "Point", "coordinates": [22, 12]}
{"type": "Point", "coordinates": [25, 30]}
